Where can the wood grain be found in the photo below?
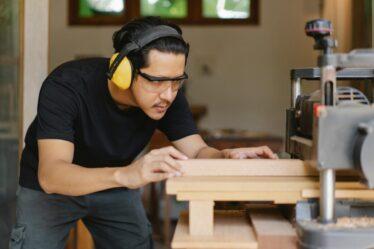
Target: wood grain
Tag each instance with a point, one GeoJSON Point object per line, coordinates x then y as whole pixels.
{"type": "Point", "coordinates": [247, 167]}
{"type": "Point", "coordinates": [231, 230]}
{"type": "Point", "coordinates": [272, 229]}
{"type": "Point", "coordinates": [249, 183]}
{"type": "Point", "coordinates": [277, 197]}
{"type": "Point", "coordinates": [201, 217]}
{"type": "Point", "coordinates": [363, 194]}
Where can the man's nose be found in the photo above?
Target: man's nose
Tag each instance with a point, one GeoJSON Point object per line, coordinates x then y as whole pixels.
{"type": "Point", "coordinates": [167, 94]}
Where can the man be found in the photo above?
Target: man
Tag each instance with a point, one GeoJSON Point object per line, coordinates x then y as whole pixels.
{"type": "Point", "coordinates": [78, 162]}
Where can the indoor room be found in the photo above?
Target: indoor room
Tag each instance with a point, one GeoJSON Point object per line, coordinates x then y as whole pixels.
{"type": "Point", "coordinates": [186, 124]}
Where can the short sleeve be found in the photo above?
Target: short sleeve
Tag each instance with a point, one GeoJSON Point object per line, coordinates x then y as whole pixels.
{"type": "Point", "coordinates": [178, 122]}
{"type": "Point", "coordinates": [57, 110]}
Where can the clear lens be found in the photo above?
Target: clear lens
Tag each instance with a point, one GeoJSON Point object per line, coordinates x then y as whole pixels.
{"type": "Point", "coordinates": [160, 86]}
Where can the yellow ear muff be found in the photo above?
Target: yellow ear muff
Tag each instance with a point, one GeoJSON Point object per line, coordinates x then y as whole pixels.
{"type": "Point", "coordinates": [123, 75]}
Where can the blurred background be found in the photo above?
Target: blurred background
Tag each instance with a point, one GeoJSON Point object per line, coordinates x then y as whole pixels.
{"type": "Point", "coordinates": [239, 66]}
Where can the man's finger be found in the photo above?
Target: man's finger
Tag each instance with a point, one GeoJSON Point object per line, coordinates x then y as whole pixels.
{"type": "Point", "coordinates": [168, 160]}
{"type": "Point", "coordinates": [173, 163]}
{"type": "Point", "coordinates": [253, 154]}
{"type": "Point", "coordinates": [157, 177]}
{"type": "Point", "coordinates": [174, 153]}
{"type": "Point", "coordinates": [226, 153]}
{"type": "Point", "coordinates": [234, 155]}
{"type": "Point", "coordinates": [266, 151]}
{"type": "Point", "coordinates": [163, 167]}
{"type": "Point", "coordinates": [238, 155]}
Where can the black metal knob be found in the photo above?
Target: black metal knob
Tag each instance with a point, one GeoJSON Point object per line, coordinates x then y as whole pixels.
{"type": "Point", "coordinates": [321, 30]}
{"type": "Point", "coordinates": [318, 28]}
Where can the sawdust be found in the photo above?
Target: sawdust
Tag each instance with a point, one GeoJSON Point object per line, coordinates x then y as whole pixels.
{"type": "Point", "coordinates": [352, 222]}
{"type": "Point", "coordinates": [341, 223]}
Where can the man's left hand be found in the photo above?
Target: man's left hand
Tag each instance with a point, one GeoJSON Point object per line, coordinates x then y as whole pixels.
{"type": "Point", "coordinates": [250, 152]}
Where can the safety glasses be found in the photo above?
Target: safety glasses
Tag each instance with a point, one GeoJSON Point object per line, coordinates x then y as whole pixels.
{"type": "Point", "coordinates": [160, 84]}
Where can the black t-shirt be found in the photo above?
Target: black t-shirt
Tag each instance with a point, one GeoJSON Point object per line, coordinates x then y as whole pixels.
{"type": "Point", "coordinates": [75, 105]}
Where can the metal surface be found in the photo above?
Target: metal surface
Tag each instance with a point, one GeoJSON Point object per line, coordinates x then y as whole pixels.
{"type": "Point", "coordinates": [327, 176]}
{"type": "Point", "coordinates": [359, 58]}
{"type": "Point", "coordinates": [295, 90]}
{"type": "Point", "coordinates": [334, 133]}
{"type": "Point", "coordinates": [342, 74]}
{"type": "Point", "coordinates": [300, 147]}
{"type": "Point", "coordinates": [363, 156]}
{"type": "Point", "coordinates": [314, 235]}
{"type": "Point", "coordinates": [337, 135]}
{"type": "Point", "coordinates": [328, 85]}
{"type": "Point", "coordinates": [327, 199]}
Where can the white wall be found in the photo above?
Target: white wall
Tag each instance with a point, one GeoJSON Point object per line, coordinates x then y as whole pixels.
{"type": "Point", "coordinates": [35, 56]}
{"type": "Point", "coordinates": [248, 87]}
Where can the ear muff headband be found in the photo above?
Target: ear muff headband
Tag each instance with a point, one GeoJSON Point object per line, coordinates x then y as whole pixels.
{"type": "Point", "coordinates": [123, 75]}
{"type": "Point", "coordinates": [121, 71]}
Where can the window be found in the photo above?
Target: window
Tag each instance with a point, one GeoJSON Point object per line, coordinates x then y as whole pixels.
{"type": "Point", "coordinates": [112, 12]}
{"type": "Point", "coordinates": [232, 9]}
{"type": "Point", "coordinates": [177, 9]}
{"type": "Point", "coordinates": [98, 12]}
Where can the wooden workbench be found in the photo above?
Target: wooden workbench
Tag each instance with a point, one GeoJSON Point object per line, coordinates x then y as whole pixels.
{"type": "Point", "coordinates": [275, 181]}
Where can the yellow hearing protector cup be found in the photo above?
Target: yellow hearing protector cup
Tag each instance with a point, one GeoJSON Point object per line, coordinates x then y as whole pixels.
{"type": "Point", "coordinates": [121, 71]}
{"type": "Point", "coordinates": [123, 75]}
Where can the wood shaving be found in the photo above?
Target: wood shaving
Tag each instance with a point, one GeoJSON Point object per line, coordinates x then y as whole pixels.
{"type": "Point", "coordinates": [352, 222]}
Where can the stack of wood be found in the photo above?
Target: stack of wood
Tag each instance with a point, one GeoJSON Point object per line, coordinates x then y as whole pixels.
{"type": "Point", "coordinates": [283, 181]}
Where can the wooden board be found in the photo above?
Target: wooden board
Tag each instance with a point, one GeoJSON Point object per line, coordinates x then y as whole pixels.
{"type": "Point", "coordinates": [231, 230]}
{"type": "Point", "coordinates": [247, 167]}
{"type": "Point", "coordinates": [363, 194]}
{"type": "Point", "coordinates": [277, 197]}
{"type": "Point", "coordinates": [272, 229]}
{"type": "Point", "coordinates": [249, 183]}
{"type": "Point", "coordinates": [201, 217]}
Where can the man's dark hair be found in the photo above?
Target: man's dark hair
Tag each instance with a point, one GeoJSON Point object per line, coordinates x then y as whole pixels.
{"type": "Point", "coordinates": [135, 27]}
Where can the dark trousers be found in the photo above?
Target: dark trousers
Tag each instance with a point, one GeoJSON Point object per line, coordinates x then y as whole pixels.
{"type": "Point", "coordinates": [115, 218]}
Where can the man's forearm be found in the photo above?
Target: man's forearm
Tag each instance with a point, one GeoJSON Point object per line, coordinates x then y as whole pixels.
{"type": "Point", "coordinates": [74, 180]}
{"type": "Point", "coordinates": [209, 152]}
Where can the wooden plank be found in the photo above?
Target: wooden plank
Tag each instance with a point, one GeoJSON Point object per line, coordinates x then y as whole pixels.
{"type": "Point", "coordinates": [271, 229]}
{"type": "Point", "coordinates": [286, 197]}
{"type": "Point", "coordinates": [231, 230]}
{"type": "Point", "coordinates": [249, 183]}
{"type": "Point", "coordinates": [201, 217]}
{"type": "Point", "coordinates": [365, 194]}
{"type": "Point", "coordinates": [248, 167]}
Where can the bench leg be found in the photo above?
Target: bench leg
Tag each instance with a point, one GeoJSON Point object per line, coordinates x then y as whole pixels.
{"type": "Point", "coordinates": [201, 217]}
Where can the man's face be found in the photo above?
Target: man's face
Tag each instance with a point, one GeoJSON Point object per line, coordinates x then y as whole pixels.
{"type": "Point", "coordinates": [153, 99]}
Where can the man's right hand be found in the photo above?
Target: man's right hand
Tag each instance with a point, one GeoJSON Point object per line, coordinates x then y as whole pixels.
{"type": "Point", "coordinates": [155, 166]}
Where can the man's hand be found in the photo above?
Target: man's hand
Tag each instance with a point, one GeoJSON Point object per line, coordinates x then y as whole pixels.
{"type": "Point", "coordinates": [251, 152]}
{"type": "Point", "coordinates": [155, 166]}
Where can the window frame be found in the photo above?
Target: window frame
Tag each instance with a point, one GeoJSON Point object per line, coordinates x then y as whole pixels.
{"type": "Point", "coordinates": [194, 15]}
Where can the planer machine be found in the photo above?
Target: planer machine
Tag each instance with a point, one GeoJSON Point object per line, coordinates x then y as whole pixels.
{"type": "Point", "coordinates": [333, 130]}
